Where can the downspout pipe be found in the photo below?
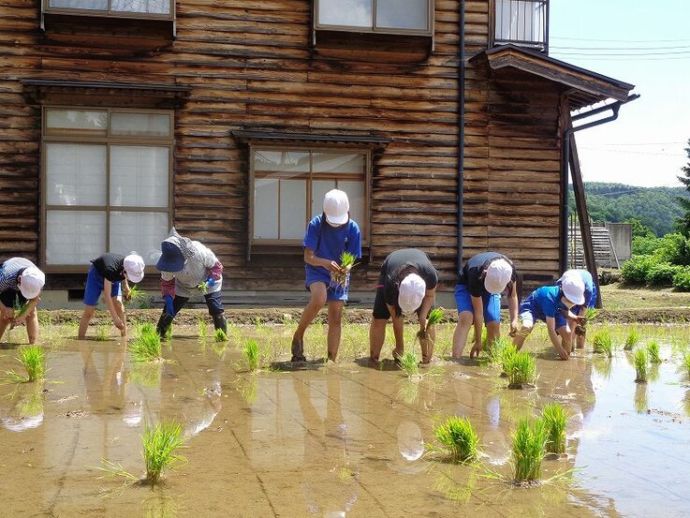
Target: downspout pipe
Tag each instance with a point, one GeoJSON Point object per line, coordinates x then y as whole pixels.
{"type": "Point", "coordinates": [461, 139]}
{"type": "Point", "coordinates": [614, 107]}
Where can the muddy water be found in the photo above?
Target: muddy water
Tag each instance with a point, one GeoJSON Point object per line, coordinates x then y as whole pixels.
{"type": "Point", "coordinates": [332, 440]}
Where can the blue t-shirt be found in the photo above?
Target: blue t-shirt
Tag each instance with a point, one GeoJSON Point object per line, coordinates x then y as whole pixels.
{"type": "Point", "coordinates": [329, 242]}
{"type": "Point", "coordinates": [545, 302]}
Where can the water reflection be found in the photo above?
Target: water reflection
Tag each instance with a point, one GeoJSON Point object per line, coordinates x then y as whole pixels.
{"type": "Point", "coordinates": [24, 408]}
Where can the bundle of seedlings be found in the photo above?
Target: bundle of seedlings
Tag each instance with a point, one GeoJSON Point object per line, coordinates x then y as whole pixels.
{"type": "Point", "coordinates": [521, 370]}
{"type": "Point", "coordinates": [251, 353]}
{"type": "Point", "coordinates": [220, 336]}
{"type": "Point", "coordinates": [135, 297]}
{"type": "Point", "coordinates": [500, 352]}
{"type": "Point", "coordinates": [33, 358]}
{"type": "Point", "coordinates": [640, 362]}
{"type": "Point", "coordinates": [20, 309]}
{"type": "Point", "coordinates": [589, 315]}
{"type": "Point", "coordinates": [458, 438]}
{"type": "Point", "coordinates": [653, 352]}
{"type": "Point", "coordinates": [631, 340]}
{"type": "Point", "coordinates": [434, 317]}
{"type": "Point", "coordinates": [146, 347]}
{"type": "Point", "coordinates": [529, 442]}
{"type": "Point", "coordinates": [409, 364]}
{"type": "Point", "coordinates": [160, 444]}
{"type": "Point", "coordinates": [555, 419]}
{"type": "Point", "coordinates": [347, 262]}
{"type": "Point", "coordinates": [603, 343]}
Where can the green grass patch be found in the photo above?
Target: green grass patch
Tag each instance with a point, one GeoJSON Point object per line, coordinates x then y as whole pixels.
{"type": "Point", "coordinates": [529, 442]}
{"type": "Point", "coordinates": [555, 420]}
{"type": "Point", "coordinates": [457, 436]}
{"type": "Point", "coordinates": [160, 444]}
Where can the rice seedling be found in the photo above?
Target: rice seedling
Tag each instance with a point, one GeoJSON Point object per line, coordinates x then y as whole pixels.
{"type": "Point", "coordinates": [33, 358]}
{"type": "Point", "coordinates": [146, 347]}
{"type": "Point", "coordinates": [102, 334]}
{"type": "Point", "coordinates": [653, 352]}
{"type": "Point", "coordinates": [457, 436]}
{"type": "Point", "coordinates": [201, 329]}
{"type": "Point", "coordinates": [202, 287]}
{"type": "Point", "coordinates": [169, 333]}
{"type": "Point", "coordinates": [409, 364]}
{"type": "Point", "coordinates": [640, 362]}
{"type": "Point", "coordinates": [686, 364]}
{"type": "Point", "coordinates": [603, 343]}
{"type": "Point", "coordinates": [555, 420]}
{"type": "Point", "coordinates": [251, 353]}
{"type": "Point", "coordinates": [631, 340]}
{"type": "Point", "coordinates": [347, 262]}
{"type": "Point", "coordinates": [136, 296]}
{"type": "Point", "coordinates": [19, 308]}
{"type": "Point", "coordinates": [529, 441]}
{"type": "Point", "coordinates": [435, 316]}
{"type": "Point", "coordinates": [590, 314]}
{"type": "Point", "coordinates": [160, 444]}
{"type": "Point", "coordinates": [521, 369]}
{"type": "Point", "coordinates": [220, 336]}
{"type": "Point", "coordinates": [501, 350]}
{"type": "Point", "coordinates": [145, 328]}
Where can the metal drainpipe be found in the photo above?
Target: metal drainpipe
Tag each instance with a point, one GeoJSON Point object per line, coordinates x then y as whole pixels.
{"type": "Point", "coordinates": [461, 138]}
{"type": "Point", "coordinates": [615, 107]}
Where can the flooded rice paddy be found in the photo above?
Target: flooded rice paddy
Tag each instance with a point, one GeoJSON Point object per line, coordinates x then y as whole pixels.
{"type": "Point", "coordinates": [336, 439]}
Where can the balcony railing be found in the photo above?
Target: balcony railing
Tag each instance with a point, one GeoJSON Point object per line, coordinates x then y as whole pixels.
{"type": "Point", "coordinates": [522, 22]}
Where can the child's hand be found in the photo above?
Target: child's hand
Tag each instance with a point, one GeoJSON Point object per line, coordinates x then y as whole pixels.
{"type": "Point", "coordinates": [119, 324]}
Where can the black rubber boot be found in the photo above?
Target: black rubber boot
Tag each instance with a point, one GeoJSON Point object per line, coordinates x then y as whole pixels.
{"type": "Point", "coordinates": [164, 323]}
{"type": "Point", "coordinates": [219, 322]}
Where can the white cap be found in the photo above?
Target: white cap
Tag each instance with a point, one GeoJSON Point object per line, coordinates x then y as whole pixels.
{"type": "Point", "coordinates": [134, 267]}
{"type": "Point", "coordinates": [411, 293]}
{"type": "Point", "coordinates": [32, 281]}
{"type": "Point", "coordinates": [336, 207]}
{"type": "Point", "coordinates": [573, 288]}
{"type": "Point", "coordinates": [498, 275]}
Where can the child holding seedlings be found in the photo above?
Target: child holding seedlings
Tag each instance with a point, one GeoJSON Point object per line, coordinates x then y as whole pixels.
{"type": "Point", "coordinates": [328, 236]}
{"type": "Point", "coordinates": [546, 304]}
{"type": "Point", "coordinates": [478, 296]}
{"type": "Point", "coordinates": [575, 317]}
{"type": "Point", "coordinates": [188, 267]}
{"type": "Point", "coordinates": [407, 284]}
{"type": "Point", "coordinates": [21, 283]}
{"type": "Point", "coordinates": [109, 274]}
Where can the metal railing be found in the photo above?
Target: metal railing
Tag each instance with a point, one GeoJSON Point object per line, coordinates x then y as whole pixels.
{"type": "Point", "coordinates": [522, 22]}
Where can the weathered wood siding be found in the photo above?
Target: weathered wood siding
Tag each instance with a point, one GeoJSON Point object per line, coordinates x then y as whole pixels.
{"type": "Point", "coordinates": [250, 65]}
{"type": "Point", "coordinates": [512, 159]}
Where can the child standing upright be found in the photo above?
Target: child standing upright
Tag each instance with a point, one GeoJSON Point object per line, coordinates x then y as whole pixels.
{"type": "Point", "coordinates": [188, 267]}
{"type": "Point", "coordinates": [328, 236]}
{"type": "Point", "coordinates": [109, 274]}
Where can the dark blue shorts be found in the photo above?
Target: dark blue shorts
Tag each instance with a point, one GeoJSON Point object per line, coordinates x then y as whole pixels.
{"type": "Point", "coordinates": [335, 292]}
{"type": "Point", "coordinates": [94, 288]}
{"type": "Point", "coordinates": [491, 303]}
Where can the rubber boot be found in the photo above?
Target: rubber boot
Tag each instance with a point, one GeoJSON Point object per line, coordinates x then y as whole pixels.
{"type": "Point", "coordinates": [219, 322]}
{"type": "Point", "coordinates": [164, 323]}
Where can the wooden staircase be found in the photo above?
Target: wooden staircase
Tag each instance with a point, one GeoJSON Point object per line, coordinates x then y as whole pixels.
{"type": "Point", "coordinates": [604, 252]}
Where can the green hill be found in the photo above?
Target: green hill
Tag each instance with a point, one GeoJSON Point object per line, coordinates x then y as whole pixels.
{"type": "Point", "coordinates": [656, 207]}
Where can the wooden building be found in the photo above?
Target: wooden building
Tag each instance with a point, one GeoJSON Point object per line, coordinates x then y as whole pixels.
{"type": "Point", "coordinates": [445, 121]}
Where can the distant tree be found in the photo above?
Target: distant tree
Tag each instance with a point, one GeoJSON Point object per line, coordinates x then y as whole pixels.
{"type": "Point", "coordinates": [639, 229]}
{"type": "Point", "coordinates": [684, 221]}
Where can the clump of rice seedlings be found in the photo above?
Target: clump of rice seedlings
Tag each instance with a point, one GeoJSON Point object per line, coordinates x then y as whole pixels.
{"type": "Point", "coordinates": [136, 296]}
{"type": "Point", "coordinates": [458, 438]}
{"type": "Point", "coordinates": [521, 369]}
{"type": "Point", "coordinates": [202, 287]}
{"type": "Point", "coordinates": [631, 340]}
{"type": "Point", "coordinates": [409, 364]}
{"type": "Point", "coordinates": [102, 334]}
{"type": "Point", "coordinates": [146, 347]}
{"type": "Point", "coordinates": [347, 262]}
{"type": "Point", "coordinates": [160, 445]}
{"type": "Point", "coordinates": [220, 336]}
{"type": "Point", "coordinates": [653, 352]}
{"type": "Point", "coordinates": [435, 316]}
{"type": "Point", "coordinates": [169, 333]}
{"type": "Point", "coordinates": [640, 362]}
{"type": "Point", "coordinates": [145, 328]}
{"type": "Point", "coordinates": [202, 329]}
{"type": "Point", "coordinates": [686, 363]}
{"type": "Point", "coordinates": [33, 358]}
{"type": "Point", "coordinates": [529, 441]}
{"type": "Point", "coordinates": [603, 343]}
{"type": "Point", "coordinates": [555, 420]}
{"type": "Point", "coordinates": [500, 350]}
{"type": "Point", "coordinates": [251, 353]}
{"type": "Point", "coordinates": [20, 309]}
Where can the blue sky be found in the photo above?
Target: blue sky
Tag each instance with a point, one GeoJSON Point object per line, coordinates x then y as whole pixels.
{"type": "Point", "coordinates": [646, 43]}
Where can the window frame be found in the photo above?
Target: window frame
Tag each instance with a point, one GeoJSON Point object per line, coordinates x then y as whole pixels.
{"type": "Point", "coordinates": [365, 227]}
{"type": "Point", "coordinates": [108, 140]}
{"type": "Point", "coordinates": [533, 45]}
{"type": "Point", "coordinates": [109, 13]}
{"type": "Point", "coordinates": [429, 31]}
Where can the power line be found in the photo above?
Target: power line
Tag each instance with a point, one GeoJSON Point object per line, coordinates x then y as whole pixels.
{"type": "Point", "coordinates": [674, 47]}
{"type": "Point", "coordinates": [620, 41]}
